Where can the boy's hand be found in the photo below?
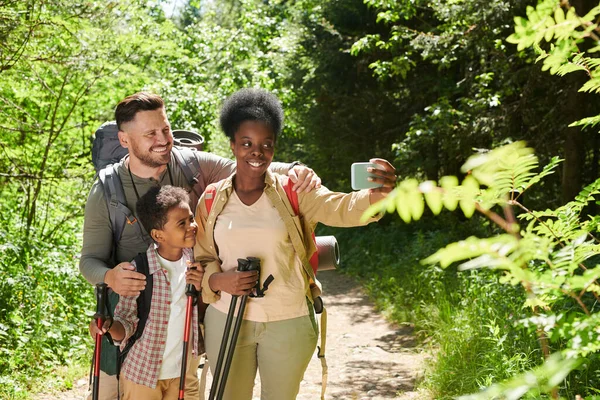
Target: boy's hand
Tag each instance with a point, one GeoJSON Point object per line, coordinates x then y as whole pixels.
{"type": "Point", "coordinates": [94, 330]}
{"type": "Point", "coordinates": [194, 274]}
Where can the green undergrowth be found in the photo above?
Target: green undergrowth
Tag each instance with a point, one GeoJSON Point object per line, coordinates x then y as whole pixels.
{"type": "Point", "coordinates": [45, 307]}
{"type": "Point", "coordinates": [468, 320]}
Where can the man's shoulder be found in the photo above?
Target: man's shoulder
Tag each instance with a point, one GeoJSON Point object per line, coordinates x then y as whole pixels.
{"type": "Point", "coordinates": [205, 157]}
{"type": "Point", "coordinates": [96, 192]}
{"type": "Point", "coordinates": [112, 171]}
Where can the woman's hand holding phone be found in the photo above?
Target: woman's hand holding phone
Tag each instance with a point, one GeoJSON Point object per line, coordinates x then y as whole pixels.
{"type": "Point", "coordinates": [377, 175]}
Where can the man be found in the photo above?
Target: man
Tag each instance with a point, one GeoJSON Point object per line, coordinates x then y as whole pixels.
{"type": "Point", "coordinates": [145, 131]}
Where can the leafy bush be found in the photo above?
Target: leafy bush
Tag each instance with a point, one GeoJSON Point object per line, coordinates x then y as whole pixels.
{"type": "Point", "coordinates": [549, 263]}
{"type": "Point", "coordinates": [44, 306]}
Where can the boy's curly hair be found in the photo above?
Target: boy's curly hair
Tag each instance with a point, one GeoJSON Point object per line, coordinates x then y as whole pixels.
{"type": "Point", "coordinates": [251, 104]}
{"type": "Point", "coordinates": [152, 208]}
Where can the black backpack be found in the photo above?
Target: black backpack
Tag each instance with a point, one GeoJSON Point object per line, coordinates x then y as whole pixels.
{"type": "Point", "coordinates": [106, 148]}
{"type": "Point", "coordinates": [107, 152]}
{"type": "Point", "coordinates": [144, 301]}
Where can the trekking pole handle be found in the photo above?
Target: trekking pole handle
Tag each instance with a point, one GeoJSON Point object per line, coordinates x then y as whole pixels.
{"type": "Point", "coordinates": [101, 294]}
{"type": "Point", "coordinates": [190, 289]}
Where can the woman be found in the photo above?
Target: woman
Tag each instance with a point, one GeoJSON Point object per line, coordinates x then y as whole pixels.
{"type": "Point", "coordinates": [251, 216]}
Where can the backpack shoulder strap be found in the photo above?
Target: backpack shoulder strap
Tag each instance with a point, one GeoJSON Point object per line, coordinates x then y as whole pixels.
{"type": "Point", "coordinates": [188, 163]}
{"type": "Point", "coordinates": [189, 166]}
{"type": "Point", "coordinates": [209, 197]}
{"type": "Point", "coordinates": [145, 298]}
{"type": "Point", "coordinates": [118, 212]}
{"type": "Point", "coordinates": [293, 198]}
{"type": "Point", "coordinates": [291, 195]}
{"type": "Point", "coordinates": [115, 199]}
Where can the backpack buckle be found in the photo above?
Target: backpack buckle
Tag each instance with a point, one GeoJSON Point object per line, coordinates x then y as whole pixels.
{"type": "Point", "coordinates": [318, 304]}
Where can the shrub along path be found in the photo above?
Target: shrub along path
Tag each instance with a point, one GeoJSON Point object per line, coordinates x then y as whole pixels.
{"type": "Point", "coordinates": [368, 357]}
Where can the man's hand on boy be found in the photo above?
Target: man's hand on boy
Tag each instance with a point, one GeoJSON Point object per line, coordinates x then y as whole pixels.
{"type": "Point", "coordinates": [124, 280]}
{"type": "Point", "coordinates": [194, 274]}
{"type": "Point", "coordinates": [304, 179]}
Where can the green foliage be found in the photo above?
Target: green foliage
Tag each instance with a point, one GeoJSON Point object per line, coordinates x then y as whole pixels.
{"type": "Point", "coordinates": [566, 32]}
{"type": "Point", "coordinates": [534, 382]}
{"type": "Point", "coordinates": [551, 256]}
{"type": "Point", "coordinates": [444, 62]}
{"type": "Point", "coordinates": [467, 319]}
{"type": "Point", "coordinates": [63, 67]}
{"type": "Point", "coordinates": [423, 82]}
{"type": "Point", "coordinates": [45, 304]}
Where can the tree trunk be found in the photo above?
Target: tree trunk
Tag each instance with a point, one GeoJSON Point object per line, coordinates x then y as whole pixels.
{"type": "Point", "coordinates": [574, 148]}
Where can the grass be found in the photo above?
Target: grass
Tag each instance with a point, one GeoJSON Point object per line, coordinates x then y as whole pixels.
{"type": "Point", "coordinates": [56, 379]}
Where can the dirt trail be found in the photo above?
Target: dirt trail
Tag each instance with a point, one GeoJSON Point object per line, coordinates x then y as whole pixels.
{"type": "Point", "coordinates": [368, 358]}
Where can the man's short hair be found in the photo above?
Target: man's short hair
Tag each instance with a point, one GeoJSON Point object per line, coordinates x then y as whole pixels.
{"type": "Point", "coordinates": [251, 105]}
{"type": "Point", "coordinates": [131, 105]}
{"type": "Point", "coordinates": [153, 207]}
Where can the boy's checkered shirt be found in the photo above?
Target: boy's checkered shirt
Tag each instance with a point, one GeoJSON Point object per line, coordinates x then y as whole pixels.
{"type": "Point", "coordinates": [143, 362]}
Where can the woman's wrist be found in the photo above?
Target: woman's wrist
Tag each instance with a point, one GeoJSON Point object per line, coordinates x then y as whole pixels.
{"type": "Point", "coordinates": [213, 283]}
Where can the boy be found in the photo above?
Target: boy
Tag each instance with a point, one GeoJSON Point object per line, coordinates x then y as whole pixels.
{"type": "Point", "coordinates": [153, 365]}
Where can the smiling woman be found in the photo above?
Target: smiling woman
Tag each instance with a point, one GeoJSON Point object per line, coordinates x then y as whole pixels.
{"type": "Point", "coordinates": [252, 217]}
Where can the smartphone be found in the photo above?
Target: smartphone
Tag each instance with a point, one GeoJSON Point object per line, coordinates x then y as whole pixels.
{"type": "Point", "coordinates": [359, 175]}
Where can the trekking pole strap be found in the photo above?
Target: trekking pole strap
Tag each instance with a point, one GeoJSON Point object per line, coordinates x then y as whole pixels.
{"type": "Point", "coordinates": [203, 376]}
{"type": "Point", "coordinates": [321, 353]}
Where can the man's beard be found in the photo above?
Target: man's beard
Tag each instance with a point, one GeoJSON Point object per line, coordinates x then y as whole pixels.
{"type": "Point", "coordinates": [150, 160]}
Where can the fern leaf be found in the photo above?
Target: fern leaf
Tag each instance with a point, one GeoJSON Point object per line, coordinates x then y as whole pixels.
{"type": "Point", "coordinates": [499, 246]}
{"type": "Point", "coordinates": [592, 85]}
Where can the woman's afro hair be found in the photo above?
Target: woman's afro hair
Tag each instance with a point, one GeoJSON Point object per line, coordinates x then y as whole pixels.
{"type": "Point", "coordinates": [251, 105]}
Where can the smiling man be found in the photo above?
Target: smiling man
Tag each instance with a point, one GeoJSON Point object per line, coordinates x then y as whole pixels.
{"type": "Point", "coordinates": [144, 129]}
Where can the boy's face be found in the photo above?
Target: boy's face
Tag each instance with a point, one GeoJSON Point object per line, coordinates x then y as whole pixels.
{"type": "Point", "coordinates": [180, 230]}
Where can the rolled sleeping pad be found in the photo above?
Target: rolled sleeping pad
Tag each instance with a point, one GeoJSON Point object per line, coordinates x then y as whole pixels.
{"type": "Point", "coordinates": [329, 252]}
{"type": "Point", "coordinates": [190, 139]}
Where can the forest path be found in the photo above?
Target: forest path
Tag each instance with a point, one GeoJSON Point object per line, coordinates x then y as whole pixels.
{"type": "Point", "coordinates": [368, 357]}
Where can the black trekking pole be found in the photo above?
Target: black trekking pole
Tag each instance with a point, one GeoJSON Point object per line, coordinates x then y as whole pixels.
{"type": "Point", "coordinates": [191, 293]}
{"type": "Point", "coordinates": [249, 264]}
{"type": "Point", "coordinates": [225, 339]}
{"type": "Point", "coordinates": [100, 317]}
{"type": "Point", "coordinates": [234, 337]}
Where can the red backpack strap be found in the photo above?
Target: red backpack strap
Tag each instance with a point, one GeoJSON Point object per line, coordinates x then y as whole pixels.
{"type": "Point", "coordinates": [291, 195]}
{"type": "Point", "coordinates": [209, 197]}
{"type": "Point", "coordinates": [293, 198]}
